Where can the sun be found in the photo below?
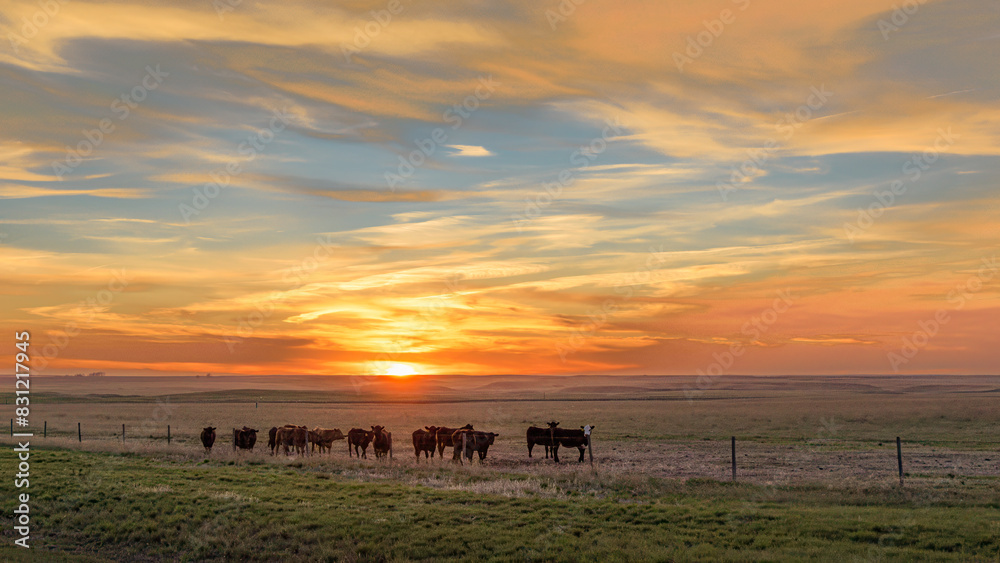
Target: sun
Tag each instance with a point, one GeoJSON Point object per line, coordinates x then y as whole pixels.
{"type": "Point", "coordinates": [400, 370]}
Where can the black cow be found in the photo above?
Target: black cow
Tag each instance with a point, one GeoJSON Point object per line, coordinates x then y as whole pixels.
{"type": "Point", "coordinates": [359, 439]}
{"type": "Point", "coordinates": [208, 439]}
{"type": "Point", "coordinates": [381, 442]}
{"type": "Point", "coordinates": [244, 438]}
{"type": "Point", "coordinates": [473, 441]}
{"type": "Point", "coordinates": [541, 437]}
{"type": "Point", "coordinates": [425, 440]}
{"type": "Point", "coordinates": [444, 435]}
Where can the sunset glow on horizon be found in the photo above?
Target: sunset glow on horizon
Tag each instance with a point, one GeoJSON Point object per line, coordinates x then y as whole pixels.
{"type": "Point", "coordinates": [735, 186]}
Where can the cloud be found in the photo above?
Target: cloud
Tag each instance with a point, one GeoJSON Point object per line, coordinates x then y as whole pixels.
{"type": "Point", "coordinates": [469, 150]}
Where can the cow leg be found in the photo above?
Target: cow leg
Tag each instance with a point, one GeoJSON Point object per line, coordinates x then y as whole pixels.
{"type": "Point", "coordinates": [582, 449]}
{"type": "Point", "coordinates": [530, 445]}
{"type": "Point", "coordinates": [555, 453]}
{"type": "Point", "coordinates": [547, 451]}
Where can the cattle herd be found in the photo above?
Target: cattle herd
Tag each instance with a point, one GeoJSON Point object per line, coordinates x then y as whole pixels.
{"type": "Point", "coordinates": [465, 440]}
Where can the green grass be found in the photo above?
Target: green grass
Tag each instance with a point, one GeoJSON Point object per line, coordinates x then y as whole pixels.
{"type": "Point", "coordinates": [134, 507]}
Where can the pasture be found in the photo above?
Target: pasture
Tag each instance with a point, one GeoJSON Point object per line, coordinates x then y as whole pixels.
{"type": "Point", "coordinates": [816, 477]}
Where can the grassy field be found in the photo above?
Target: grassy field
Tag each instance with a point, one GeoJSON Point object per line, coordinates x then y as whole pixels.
{"type": "Point", "coordinates": [135, 507]}
{"type": "Point", "coordinates": [816, 464]}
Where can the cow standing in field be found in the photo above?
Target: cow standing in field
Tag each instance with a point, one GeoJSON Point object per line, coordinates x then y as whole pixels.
{"type": "Point", "coordinates": [444, 437]}
{"type": "Point", "coordinates": [469, 441]}
{"type": "Point", "coordinates": [324, 438]}
{"type": "Point", "coordinates": [381, 442]}
{"type": "Point", "coordinates": [295, 436]}
{"type": "Point", "coordinates": [541, 437]}
{"type": "Point", "coordinates": [359, 439]}
{"type": "Point", "coordinates": [425, 441]}
{"type": "Point", "coordinates": [208, 439]}
{"type": "Point", "coordinates": [579, 439]}
{"type": "Point", "coordinates": [272, 439]}
{"type": "Point", "coordinates": [244, 438]}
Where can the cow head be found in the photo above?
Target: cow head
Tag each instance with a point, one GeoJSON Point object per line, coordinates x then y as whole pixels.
{"type": "Point", "coordinates": [209, 429]}
{"type": "Point", "coordinates": [552, 424]}
{"type": "Point", "coordinates": [337, 434]}
{"type": "Point", "coordinates": [378, 429]}
{"type": "Point", "coordinates": [431, 429]}
{"type": "Point", "coordinates": [490, 436]}
{"type": "Point", "coordinates": [466, 427]}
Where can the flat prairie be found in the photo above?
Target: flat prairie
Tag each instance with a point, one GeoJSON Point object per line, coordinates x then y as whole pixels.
{"type": "Point", "coordinates": [815, 458]}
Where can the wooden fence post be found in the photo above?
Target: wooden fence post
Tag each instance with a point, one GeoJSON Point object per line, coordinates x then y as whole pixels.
{"type": "Point", "coordinates": [590, 452]}
{"type": "Point", "coordinates": [79, 433]}
{"type": "Point", "coordinates": [168, 434]}
{"type": "Point", "coordinates": [899, 459]}
{"type": "Point", "coordinates": [45, 430]}
{"type": "Point", "coordinates": [734, 457]}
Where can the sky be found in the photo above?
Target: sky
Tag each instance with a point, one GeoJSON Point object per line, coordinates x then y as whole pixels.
{"type": "Point", "coordinates": [494, 187]}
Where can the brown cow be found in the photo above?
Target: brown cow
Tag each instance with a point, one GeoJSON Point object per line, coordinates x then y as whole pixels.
{"type": "Point", "coordinates": [244, 438]}
{"type": "Point", "coordinates": [359, 439]}
{"type": "Point", "coordinates": [324, 438]}
{"type": "Point", "coordinates": [291, 435]}
{"type": "Point", "coordinates": [425, 441]}
{"type": "Point", "coordinates": [272, 439]}
{"type": "Point", "coordinates": [381, 442]}
{"type": "Point", "coordinates": [444, 435]}
{"type": "Point", "coordinates": [208, 438]}
{"type": "Point", "coordinates": [474, 441]}
{"type": "Point", "coordinates": [541, 437]}
{"type": "Point", "coordinates": [579, 439]}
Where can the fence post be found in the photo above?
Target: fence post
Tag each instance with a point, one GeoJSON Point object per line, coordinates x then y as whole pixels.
{"type": "Point", "coordinates": [734, 457]}
{"type": "Point", "coordinates": [45, 430]}
{"type": "Point", "coordinates": [79, 433]}
{"type": "Point", "coordinates": [168, 434]}
{"type": "Point", "coordinates": [12, 427]}
{"type": "Point", "coordinates": [899, 459]}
